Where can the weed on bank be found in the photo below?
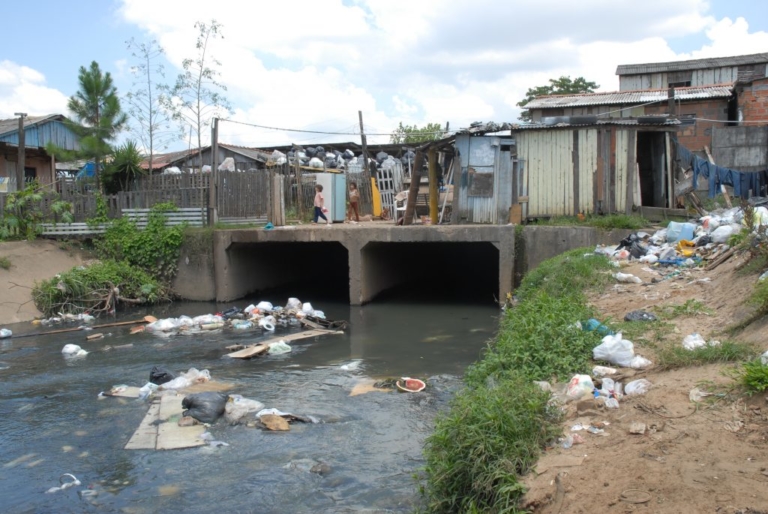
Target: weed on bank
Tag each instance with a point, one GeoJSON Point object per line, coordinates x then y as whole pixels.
{"type": "Point", "coordinates": [497, 426]}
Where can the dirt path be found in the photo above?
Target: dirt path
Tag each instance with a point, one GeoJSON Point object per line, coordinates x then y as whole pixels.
{"type": "Point", "coordinates": [707, 457]}
{"type": "Point", "coordinates": [31, 261]}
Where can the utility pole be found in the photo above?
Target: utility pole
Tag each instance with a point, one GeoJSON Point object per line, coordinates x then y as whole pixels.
{"type": "Point", "coordinates": [22, 152]}
{"type": "Point", "coordinates": [213, 197]}
{"type": "Point", "coordinates": [365, 143]}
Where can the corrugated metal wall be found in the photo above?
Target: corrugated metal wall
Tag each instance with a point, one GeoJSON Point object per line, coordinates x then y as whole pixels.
{"type": "Point", "coordinates": [484, 155]}
{"type": "Point", "coordinates": [661, 80]}
{"type": "Point", "coordinates": [561, 182]}
{"type": "Point", "coordinates": [44, 133]}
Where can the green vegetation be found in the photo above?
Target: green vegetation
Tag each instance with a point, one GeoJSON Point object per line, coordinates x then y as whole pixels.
{"type": "Point", "coordinates": [23, 212]}
{"type": "Point", "coordinates": [674, 356]}
{"type": "Point", "coordinates": [409, 134]}
{"type": "Point", "coordinates": [155, 249]}
{"type": "Point", "coordinates": [689, 308]}
{"type": "Point", "coordinates": [499, 423]}
{"type": "Point", "coordinates": [752, 376]}
{"type": "Point", "coordinates": [92, 288]}
{"type": "Point", "coordinates": [136, 267]}
{"type": "Point", "coordinates": [124, 167]}
{"type": "Point", "coordinates": [607, 222]}
{"type": "Point", "coordinates": [5, 263]}
{"type": "Point", "coordinates": [562, 86]}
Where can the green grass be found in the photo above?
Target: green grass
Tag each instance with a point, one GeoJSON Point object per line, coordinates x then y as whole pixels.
{"type": "Point", "coordinates": [497, 426]}
{"type": "Point", "coordinates": [689, 308]}
{"type": "Point", "coordinates": [752, 376]}
{"type": "Point", "coordinates": [648, 334]}
{"type": "Point", "coordinates": [759, 297]}
{"type": "Point", "coordinates": [673, 356]}
{"type": "Point", "coordinates": [5, 263]}
{"type": "Point", "coordinates": [608, 222]}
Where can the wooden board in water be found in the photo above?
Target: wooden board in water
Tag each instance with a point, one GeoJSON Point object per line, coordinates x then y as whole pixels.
{"type": "Point", "coordinates": [262, 347]}
{"type": "Point", "coordinates": [159, 430]}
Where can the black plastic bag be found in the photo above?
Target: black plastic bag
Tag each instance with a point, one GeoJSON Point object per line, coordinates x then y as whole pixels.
{"type": "Point", "coordinates": [639, 316]}
{"type": "Point", "coordinates": [636, 250]}
{"type": "Point", "coordinates": [205, 407]}
{"type": "Point", "coordinates": [160, 376]}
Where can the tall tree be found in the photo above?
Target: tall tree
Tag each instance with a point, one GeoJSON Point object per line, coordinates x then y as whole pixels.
{"type": "Point", "coordinates": [96, 108]}
{"type": "Point", "coordinates": [124, 167]}
{"type": "Point", "coordinates": [198, 95]}
{"type": "Point", "coordinates": [147, 100]}
{"type": "Point", "coordinates": [562, 86]}
{"type": "Point", "coordinates": [405, 134]}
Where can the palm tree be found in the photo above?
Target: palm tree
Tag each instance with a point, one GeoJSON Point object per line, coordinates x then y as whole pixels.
{"type": "Point", "coordinates": [96, 107]}
{"type": "Point", "coordinates": [124, 167]}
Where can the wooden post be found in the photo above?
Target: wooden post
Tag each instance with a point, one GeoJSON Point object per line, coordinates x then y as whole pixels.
{"type": "Point", "coordinates": [213, 198]}
{"type": "Point", "coordinates": [413, 192]}
{"type": "Point", "coordinates": [631, 171]}
{"type": "Point", "coordinates": [20, 163]}
{"type": "Point", "coordinates": [671, 101]}
{"type": "Point", "coordinates": [456, 189]}
{"type": "Point", "coordinates": [364, 142]}
{"type": "Point", "coordinates": [433, 190]}
{"type": "Point", "coordinates": [722, 187]}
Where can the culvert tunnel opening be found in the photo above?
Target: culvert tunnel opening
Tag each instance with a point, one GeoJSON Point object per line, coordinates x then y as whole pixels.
{"type": "Point", "coordinates": [430, 272]}
{"type": "Point", "coordinates": [312, 271]}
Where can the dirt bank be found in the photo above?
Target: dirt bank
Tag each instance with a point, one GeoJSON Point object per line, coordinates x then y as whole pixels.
{"type": "Point", "coordinates": [705, 457]}
{"type": "Point", "coordinates": [31, 261]}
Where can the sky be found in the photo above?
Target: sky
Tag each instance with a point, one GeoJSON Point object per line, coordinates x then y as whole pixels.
{"type": "Point", "coordinates": [313, 64]}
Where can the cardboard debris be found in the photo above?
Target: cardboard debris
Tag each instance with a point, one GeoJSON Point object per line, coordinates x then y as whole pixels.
{"type": "Point", "coordinates": [160, 430]}
{"type": "Point", "coordinates": [275, 422]}
{"type": "Point", "coordinates": [367, 386]}
{"type": "Point", "coordinates": [202, 387]}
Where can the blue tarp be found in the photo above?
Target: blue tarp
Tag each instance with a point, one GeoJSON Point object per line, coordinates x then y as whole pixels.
{"type": "Point", "coordinates": [87, 171]}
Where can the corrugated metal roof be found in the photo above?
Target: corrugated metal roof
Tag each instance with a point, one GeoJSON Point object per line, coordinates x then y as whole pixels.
{"type": "Point", "coordinates": [252, 153]}
{"type": "Point", "coordinates": [694, 64]}
{"type": "Point", "coordinates": [12, 124]}
{"type": "Point", "coordinates": [670, 122]}
{"type": "Point", "coordinates": [161, 160]}
{"type": "Point", "coordinates": [629, 97]}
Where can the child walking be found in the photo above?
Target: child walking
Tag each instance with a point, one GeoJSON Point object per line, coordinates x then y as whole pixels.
{"type": "Point", "coordinates": [319, 205]}
{"type": "Point", "coordinates": [354, 198]}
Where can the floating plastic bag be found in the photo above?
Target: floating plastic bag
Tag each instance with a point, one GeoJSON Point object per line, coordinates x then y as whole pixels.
{"type": "Point", "coordinates": [279, 348]}
{"type": "Point", "coordinates": [293, 304]}
{"type": "Point", "coordinates": [177, 383]}
{"type": "Point", "coordinates": [73, 350]}
{"type": "Point", "coordinates": [307, 308]}
{"type": "Point", "coordinates": [637, 387]}
{"type": "Point", "coordinates": [5, 333]}
{"type": "Point", "coordinates": [627, 278]}
{"type": "Point", "coordinates": [238, 407]}
{"type": "Point", "coordinates": [319, 314]}
{"type": "Point", "coordinates": [265, 306]}
{"type": "Point", "coordinates": [617, 350]}
{"type": "Point", "coordinates": [146, 390]}
{"type": "Point", "coordinates": [241, 324]}
{"type": "Point", "coordinates": [579, 387]}
{"type": "Point", "coordinates": [160, 376]}
{"type": "Point", "coordinates": [205, 407]}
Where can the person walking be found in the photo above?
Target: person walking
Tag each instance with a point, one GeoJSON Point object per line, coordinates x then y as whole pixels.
{"type": "Point", "coordinates": [354, 200]}
{"type": "Point", "coordinates": [320, 209]}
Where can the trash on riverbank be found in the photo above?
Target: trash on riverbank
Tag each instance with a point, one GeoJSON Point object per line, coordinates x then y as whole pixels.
{"type": "Point", "coordinates": [617, 350]}
{"type": "Point", "coordinates": [695, 340]}
{"type": "Point", "coordinates": [639, 316]}
{"type": "Point", "coordinates": [238, 408]}
{"type": "Point", "coordinates": [410, 385]}
{"type": "Point", "coordinates": [205, 407]}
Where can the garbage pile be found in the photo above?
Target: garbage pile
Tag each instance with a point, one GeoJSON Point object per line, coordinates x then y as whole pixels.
{"type": "Point", "coordinates": [683, 244]}
{"type": "Point", "coordinates": [318, 157]}
{"type": "Point", "coordinates": [263, 316]}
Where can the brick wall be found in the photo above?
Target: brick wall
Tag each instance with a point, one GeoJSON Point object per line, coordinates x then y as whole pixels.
{"type": "Point", "coordinates": [696, 136]}
{"type": "Point", "coordinates": [753, 100]}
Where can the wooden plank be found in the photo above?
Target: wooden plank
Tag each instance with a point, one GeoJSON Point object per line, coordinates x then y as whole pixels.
{"type": "Point", "coordinates": [145, 437]}
{"type": "Point", "coordinates": [668, 152]}
{"type": "Point", "coordinates": [170, 436]}
{"type": "Point", "coordinates": [259, 348]}
{"type": "Point", "coordinates": [576, 170]}
{"type": "Point", "coordinates": [631, 166]}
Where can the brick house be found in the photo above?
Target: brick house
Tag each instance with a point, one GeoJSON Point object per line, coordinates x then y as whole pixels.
{"type": "Point", "coordinates": [704, 94]}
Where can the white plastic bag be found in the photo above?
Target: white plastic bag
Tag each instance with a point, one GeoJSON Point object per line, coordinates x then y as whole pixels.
{"type": "Point", "coordinates": [73, 350]}
{"type": "Point", "coordinates": [579, 387]}
{"type": "Point", "coordinates": [601, 371]}
{"type": "Point", "coordinates": [617, 350]}
{"type": "Point", "coordinates": [722, 234]}
{"type": "Point", "coordinates": [693, 341]}
{"type": "Point", "coordinates": [649, 258]}
{"type": "Point", "coordinates": [238, 407]}
{"type": "Point", "coordinates": [279, 348]}
{"type": "Point", "coordinates": [5, 333]}
{"type": "Point", "coordinates": [180, 382]}
{"type": "Point", "coordinates": [637, 387]}
{"type": "Point", "coordinates": [627, 278]}
{"type": "Point", "coordinates": [265, 306]}
{"type": "Point", "coordinates": [307, 308]}
{"type": "Point", "coordinates": [197, 377]}
{"type": "Point", "coordinates": [293, 304]}
{"type": "Point", "coordinates": [249, 309]}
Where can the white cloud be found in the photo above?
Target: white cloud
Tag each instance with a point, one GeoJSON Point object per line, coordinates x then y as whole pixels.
{"type": "Point", "coordinates": [23, 89]}
{"type": "Point", "coordinates": [315, 64]}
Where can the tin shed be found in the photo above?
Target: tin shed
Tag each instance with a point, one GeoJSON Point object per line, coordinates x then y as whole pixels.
{"type": "Point", "coordinates": [603, 166]}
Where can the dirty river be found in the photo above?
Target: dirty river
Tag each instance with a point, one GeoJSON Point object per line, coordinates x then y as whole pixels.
{"type": "Point", "coordinates": [52, 421]}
